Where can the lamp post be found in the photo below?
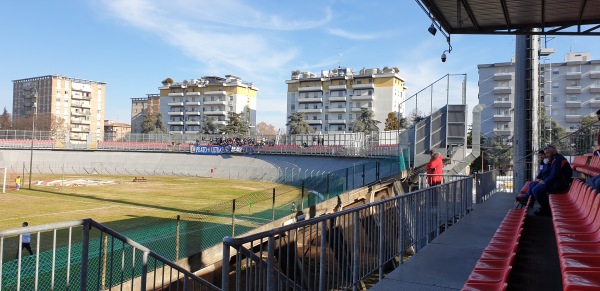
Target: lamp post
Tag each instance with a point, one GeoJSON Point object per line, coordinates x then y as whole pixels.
{"type": "Point", "coordinates": [34, 108]}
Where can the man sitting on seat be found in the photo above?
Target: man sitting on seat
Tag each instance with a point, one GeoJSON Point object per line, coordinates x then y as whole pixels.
{"type": "Point", "coordinates": [557, 180]}
{"type": "Point", "coordinates": [543, 171]}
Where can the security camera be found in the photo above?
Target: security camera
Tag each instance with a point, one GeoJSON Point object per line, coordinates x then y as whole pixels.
{"type": "Point", "coordinates": [443, 57]}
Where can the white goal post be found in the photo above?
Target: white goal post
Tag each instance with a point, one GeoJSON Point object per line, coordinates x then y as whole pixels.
{"type": "Point", "coordinates": [4, 170]}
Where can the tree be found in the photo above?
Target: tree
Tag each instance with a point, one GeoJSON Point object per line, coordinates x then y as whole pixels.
{"type": "Point", "coordinates": [403, 122]}
{"type": "Point", "coordinates": [153, 123]}
{"type": "Point", "coordinates": [5, 120]}
{"type": "Point", "coordinates": [263, 128]}
{"type": "Point", "coordinates": [416, 115]}
{"type": "Point", "coordinates": [208, 125]}
{"type": "Point", "coordinates": [149, 123]}
{"type": "Point", "coordinates": [298, 125]}
{"type": "Point", "coordinates": [235, 124]}
{"type": "Point", "coordinates": [392, 122]}
{"type": "Point", "coordinates": [365, 122]}
{"type": "Point", "coordinates": [498, 153]}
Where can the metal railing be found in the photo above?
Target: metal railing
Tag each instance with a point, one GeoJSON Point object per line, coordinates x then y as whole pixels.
{"type": "Point", "coordinates": [87, 255]}
{"type": "Point", "coordinates": [336, 251]}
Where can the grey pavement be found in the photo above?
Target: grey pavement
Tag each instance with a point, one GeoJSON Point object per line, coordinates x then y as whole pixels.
{"type": "Point", "coordinates": [447, 262]}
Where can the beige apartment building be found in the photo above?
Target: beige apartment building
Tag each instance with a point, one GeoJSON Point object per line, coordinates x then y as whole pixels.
{"type": "Point", "coordinates": [71, 109]}
{"type": "Point", "coordinates": [332, 100]}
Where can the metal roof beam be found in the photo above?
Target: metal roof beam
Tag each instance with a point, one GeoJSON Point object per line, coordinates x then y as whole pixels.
{"type": "Point", "coordinates": [470, 13]}
{"type": "Point", "coordinates": [581, 9]}
{"type": "Point", "coordinates": [506, 16]}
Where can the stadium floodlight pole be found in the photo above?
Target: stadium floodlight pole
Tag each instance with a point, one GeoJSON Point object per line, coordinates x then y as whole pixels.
{"type": "Point", "coordinates": [34, 107]}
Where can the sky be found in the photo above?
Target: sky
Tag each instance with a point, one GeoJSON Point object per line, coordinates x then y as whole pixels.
{"type": "Point", "coordinates": [132, 45]}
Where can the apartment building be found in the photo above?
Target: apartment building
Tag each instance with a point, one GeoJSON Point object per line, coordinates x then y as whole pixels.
{"type": "Point", "coordinates": [568, 90]}
{"type": "Point", "coordinates": [140, 107]}
{"type": "Point", "coordinates": [71, 108]}
{"type": "Point", "coordinates": [185, 105]}
{"type": "Point", "coordinates": [115, 131]}
{"type": "Point", "coordinates": [332, 100]}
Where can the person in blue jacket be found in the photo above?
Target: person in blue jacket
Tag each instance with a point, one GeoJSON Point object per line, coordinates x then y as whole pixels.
{"type": "Point", "coordinates": [558, 180]}
{"type": "Point", "coordinates": [543, 171]}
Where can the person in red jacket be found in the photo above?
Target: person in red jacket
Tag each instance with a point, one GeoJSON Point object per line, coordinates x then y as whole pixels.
{"type": "Point", "coordinates": [435, 168]}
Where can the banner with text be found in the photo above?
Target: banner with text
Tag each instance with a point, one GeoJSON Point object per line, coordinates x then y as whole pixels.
{"type": "Point", "coordinates": [218, 150]}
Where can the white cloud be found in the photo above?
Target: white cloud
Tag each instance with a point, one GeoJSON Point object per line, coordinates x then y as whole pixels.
{"type": "Point", "coordinates": [353, 35]}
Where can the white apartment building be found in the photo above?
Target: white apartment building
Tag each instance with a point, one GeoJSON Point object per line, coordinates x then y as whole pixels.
{"type": "Point", "coordinates": [332, 100]}
{"type": "Point", "coordinates": [184, 105]}
{"type": "Point", "coordinates": [568, 91]}
{"type": "Point", "coordinates": [72, 109]}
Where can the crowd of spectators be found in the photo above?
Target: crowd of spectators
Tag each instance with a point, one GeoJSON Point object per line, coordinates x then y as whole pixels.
{"type": "Point", "coordinates": [238, 141]}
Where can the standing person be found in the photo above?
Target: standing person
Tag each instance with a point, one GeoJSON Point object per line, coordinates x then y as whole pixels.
{"type": "Point", "coordinates": [435, 169]}
{"type": "Point", "coordinates": [18, 183]}
{"type": "Point", "coordinates": [25, 241]}
{"type": "Point", "coordinates": [557, 180]}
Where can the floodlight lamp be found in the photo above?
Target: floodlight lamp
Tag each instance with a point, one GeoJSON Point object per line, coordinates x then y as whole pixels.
{"type": "Point", "coordinates": [432, 29]}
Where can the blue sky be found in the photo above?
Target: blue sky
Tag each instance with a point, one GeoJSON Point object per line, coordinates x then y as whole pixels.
{"type": "Point", "coordinates": [133, 45]}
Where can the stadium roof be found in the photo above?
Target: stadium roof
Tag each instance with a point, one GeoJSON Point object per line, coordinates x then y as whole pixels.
{"type": "Point", "coordinates": [552, 17]}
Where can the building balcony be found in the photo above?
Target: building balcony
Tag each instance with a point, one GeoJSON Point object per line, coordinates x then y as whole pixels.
{"type": "Point", "coordinates": [573, 118]}
{"type": "Point", "coordinates": [175, 103]}
{"type": "Point", "coordinates": [310, 110]}
{"type": "Point", "coordinates": [333, 109]}
{"type": "Point", "coordinates": [502, 118]}
{"type": "Point", "coordinates": [192, 122]}
{"type": "Point", "coordinates": [336, 121]}
{"type": "Point", "coordinates": [80, 121]}
{"type": "Point", "coordinates": [175, 123]}
{"type": "Point", "coordinates": [314, 121]}
{"type": "Point", "coordinates": [80, 113]}
{"type": "Point", "coordinates": [193, 94]}
{"type": "Point", "coordinates": [77, 136]}
{"type": "Point", "coordinates": [180, 94]}
{"type": "Point", "coordinates": [80, 104]}
{"type": "Point", "coordinates": [573, 104]}
{"type": "Point", "coordinates": [502, 90]}
{"type": "Point", "coordinates": [573, 75]}
{"type": "Point", "coordinates": [220, 122]}
{"type": "Point", "coordinates": [215, 102]}
{"type": "Point", "coordinates": [310, 100]}
{"type": "Point", "coordinates": [175, 132]}
{"type": "Point", "coordinates": [337, 98]}
{"type": "Point", "coordinates": [504, 132]}
{"type": "Point", "coordinates": [503, 76]}
{"type": "Point", "coordinates": [193, 103]}
{"type": "Point", "coordinates": [363, 97]}
{"type": "Point", "coordinates": [359, 109]}
{"type": "Point", "coordinates": [502, 104]}
{"type": "Point", "coordinates": [363, 86]}
{"type": "Point", "coordinates": [594, 103]}
{"type": "Point", "coordinates": [193, 113]}
{"type": "Point", "coordinates": [171, 113]}
{"type": "Point", "coordinates": [215, 112]}
{"type": "Point", "coordinates": [573, 90]}
{"type": "Point", "coordinates": [595, 74]}
{"type": "Point", "coordinates": [310, 88]}
{"type": "Point", "coordinates": [215, 93]}
{"type": "Point", "coordinates": [80, 129]}
{"type": "Point", "coordinates": [80, 97]}
{"type": "Point", "coordinates": [337, 87]}
{"type": "Point", "coordinates": [595, 89]}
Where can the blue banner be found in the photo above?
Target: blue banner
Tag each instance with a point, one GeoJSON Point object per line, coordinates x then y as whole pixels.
{"type": "Point", "coordinates": [217, 150]}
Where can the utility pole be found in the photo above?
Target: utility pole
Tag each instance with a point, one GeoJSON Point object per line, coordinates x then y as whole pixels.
{"type": "Point", "coordinates": [34, 94]}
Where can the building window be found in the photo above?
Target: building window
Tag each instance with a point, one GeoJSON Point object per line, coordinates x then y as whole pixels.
{"type": "Point", "coordinates": [293, 106]}
{"type": "Point", "coordinates": [554, 98]}
{"type": "Point", "coordinates": [339, 116]}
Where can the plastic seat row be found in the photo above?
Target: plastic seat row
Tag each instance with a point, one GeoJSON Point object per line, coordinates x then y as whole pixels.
{"type": "Point", "coordinates": [592, 169]}
{"type": "Point", "coordinates": [493, 267]}
{"type": "Point", "coordinates": [579, 161]}
{"type": "Point", "coordinates": [576, 219]}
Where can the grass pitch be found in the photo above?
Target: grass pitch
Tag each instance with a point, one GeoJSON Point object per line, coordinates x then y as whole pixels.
{"type": "Point", "coordinates": [158, 198]}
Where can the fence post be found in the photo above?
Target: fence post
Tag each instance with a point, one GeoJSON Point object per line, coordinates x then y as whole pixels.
{"type": "Point", "coordinates": [322, 262]}
{"type": "Point", "coordinates": [271, 282]}
{"type": "Point", "coordinates": [177, 239]}
{"type": "Point", "coordinates": [225, 267]}
{"type": "Point", "coordinates": [273, 206]}
{"type": "Point", "coordinates": [85, 241]}
{"type": "Point", "coordinates": [302, 199]}
{"type": "Point", "coordinates": [104, 261]}
{"type": "Point", "coordinates": [355, 252]}
{"type": "Point", "coordinates": [233, 218]}
{"type": "Point", "coordinates": [363, 174]}
{"type": "Point", "coordinates": [381, 238]}
{"type": "Point", "coordinates": [144, 273]}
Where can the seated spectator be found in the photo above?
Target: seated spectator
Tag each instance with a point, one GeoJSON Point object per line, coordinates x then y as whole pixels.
{"type": "Point", "coordinates": [557, 180]}
{"type": "Point", "coordinates": [543, 171]}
